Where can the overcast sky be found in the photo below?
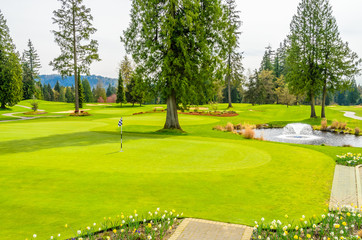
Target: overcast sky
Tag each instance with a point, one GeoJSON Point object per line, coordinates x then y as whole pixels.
{"type": "Point", "coordinates": [264, 22]}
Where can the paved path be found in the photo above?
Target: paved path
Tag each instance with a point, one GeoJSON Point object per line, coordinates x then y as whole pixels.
{"type": "Point", "coordinates": [344, 190]}
{"type": "Point", "coordinates": [351, 115]}
{"type": "Point", "coordinates": [18, 118]}
{"type": "Point", "coordinates": [198, 229]}
{"type": "Point", "coordinates": [40, 110]}
{"type": "Point", "coordinates": [347, 188]}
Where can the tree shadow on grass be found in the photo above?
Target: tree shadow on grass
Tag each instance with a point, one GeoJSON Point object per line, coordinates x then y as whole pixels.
{"type": "Point", "coordinates": [79, 139]}
{"type": "Point", "coordinates": [125, 107]}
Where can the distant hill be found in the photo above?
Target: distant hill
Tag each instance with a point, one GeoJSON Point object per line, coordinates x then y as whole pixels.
{"type": "Point", "coordinates": [69, 81]}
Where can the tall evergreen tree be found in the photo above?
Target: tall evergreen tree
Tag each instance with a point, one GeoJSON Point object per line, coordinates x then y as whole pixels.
{"type": "Point", "coordinates": [69, 95]}
{"type": "Point", "coordinates": [57, 86]}
{"type": "Point", "coordinates": [50, 91]}
{"type": "Point", "coordinates": [10, 68]}
{"type": "Point", "coordinates": [80, 92]}
{"type": "Point", "coordinates": [45, 93]}
{"type": "Point", "coordinates": [38, 90]}
{"type": "Point", "coordinates": [252, 87]}
{"type": "Point", "coordinates": [234, 67]}
{"type": "Point", "coordinates": [62, 94]}
{"type": "Point", "coordinates": [175, 44]}
{"type": "Point", "coordinates": [121, 97]}
{"type": "Point", "coordinates": [267, 61]}
{"type": "Point", "coordinates": [339, 63]}
{"type": "Point", "coordinates": [31, 66]}
{"type": "Point", "coordinates": [317, 59]}
{"type": "Point", "coordinates": [99, 91]}
{"type": "Point", "coordinates": [109, 90]}
{"type": "Point", "coordinates": [78, 51]}
{"type": "Point", "coordinates": [88, 95]}
{"type": "Point", "coordinates": [304, 54]}
{"type": "Point", "coordinates": [126, 69]}
{"type": "Point", "coordinates": [131, 91]}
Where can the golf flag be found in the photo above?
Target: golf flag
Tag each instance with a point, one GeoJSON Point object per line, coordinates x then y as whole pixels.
{"type": "Point", "coordinates": [120, 123]}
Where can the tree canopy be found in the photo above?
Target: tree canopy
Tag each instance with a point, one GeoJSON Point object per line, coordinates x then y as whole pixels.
{"type": "Point", "coordinates": [316, 55]}
{"type": "Point", "coordinates": [78, 50]}
{"type": "Point", "coordinates": [10, 68]}
{"type": "Point", "coordinates": [175, 45]}
{"type": "Point", "coordinates": [30, 66]}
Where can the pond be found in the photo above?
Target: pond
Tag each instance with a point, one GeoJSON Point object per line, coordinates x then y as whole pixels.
{"type": "Point", "coordinates": [304, 134]}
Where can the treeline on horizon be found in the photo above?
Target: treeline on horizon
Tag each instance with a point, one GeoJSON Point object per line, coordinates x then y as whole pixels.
{"type": "Point", "coordinates": [312, 65]}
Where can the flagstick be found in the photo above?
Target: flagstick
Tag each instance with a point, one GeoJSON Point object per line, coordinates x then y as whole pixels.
{"type": "Point", "coordinates": [121, 139]}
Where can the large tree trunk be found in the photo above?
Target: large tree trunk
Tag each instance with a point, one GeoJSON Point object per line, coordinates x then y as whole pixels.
{"type": "Point", "coordinates": [323, 113]}
{"type": "Point", "coordinates": [172, 116]}
{"type": "Point", "coordinates": [75, 65]}
{"type": "Point", "coordinates": [312, 106]}
{"type": "Point", "coordinates": [229, 81]}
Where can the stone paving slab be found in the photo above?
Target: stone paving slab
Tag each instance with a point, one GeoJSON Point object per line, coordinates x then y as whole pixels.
{"type": "Point", "coordinates": [198, 229]}
{"type": "Point", "coordinates": [359, 185]}
{"type": "Point", "coordinates": [344, 189]}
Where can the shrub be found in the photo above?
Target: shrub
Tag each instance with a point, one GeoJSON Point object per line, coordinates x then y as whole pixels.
{"type": "Point", "coordinates": [334, 124]}
{"type": "Point", "coordinates": [100, 100]}
{"type": "Point", "coordinates": [229, 127]}
{"type": "Point", "coordinates": [342, 125]}
{"type": "Point", "coordinates": [238, 126]}
{"type": "Point", "coordinates": [34, 104]}
{"type": "Point", "coordinates": [213, 106]}
{"type": "Point", "coordinates": [249, 132]}
{"type": "Point", "coordinates": [112, 98]}
{"type": "Point", "coordinates": [324, 124]}
{"type": "Point", "coordinates": [219, 128]}
{"type": "Point", "coordinates": [356, 131]}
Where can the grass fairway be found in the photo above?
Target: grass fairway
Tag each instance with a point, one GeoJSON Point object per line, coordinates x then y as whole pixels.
{"type": "Point", "coordinates": [69, 170]}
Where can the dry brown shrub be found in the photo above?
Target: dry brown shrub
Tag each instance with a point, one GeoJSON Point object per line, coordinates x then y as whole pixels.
{"type": "Point", "coordinates": [229, 127]}
{"type": "Point", "coordinates": [249, 132]}
{"type": "Point", "coordinates": [334, 124]}
{"type": "Point", "coordinates": [356, 131]}
{"type": "Point", "coordinates": [324, 124]}
{"type": "Point", "coordinates": [238, 126]}
{"type": "Point", "coordinates": [219, 128]}
{"type": "Point", "coordinates": [342, 125]}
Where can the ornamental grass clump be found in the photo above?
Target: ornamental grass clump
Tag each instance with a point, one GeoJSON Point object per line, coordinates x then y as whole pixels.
{"type": "Point", "coordinates": [334, 124]}
{"type": "Point", "coordinates": [219, 128]}
{"type": "Point", "coordinates": [349, 159]}
{"type": "Point", "coordinates": [342, 223]}
{"type": "Point", "coordinates": [342, 125]}
{"type": "Point", "coordinates": [356, 131]}
{"type": "Point", "coordinates": [324, 124]}
{"type": "Point", "coordinates": [249, 132]}
{"type": "Point", "coordinates": [229, 127]}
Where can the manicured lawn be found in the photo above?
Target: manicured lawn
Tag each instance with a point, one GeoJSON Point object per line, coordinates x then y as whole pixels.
{"type": "Point", "coordinates": [69, 169]}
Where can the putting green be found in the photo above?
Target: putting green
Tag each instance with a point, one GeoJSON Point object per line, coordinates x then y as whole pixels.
{"type": "Point", "coordinates": [163, 155]}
